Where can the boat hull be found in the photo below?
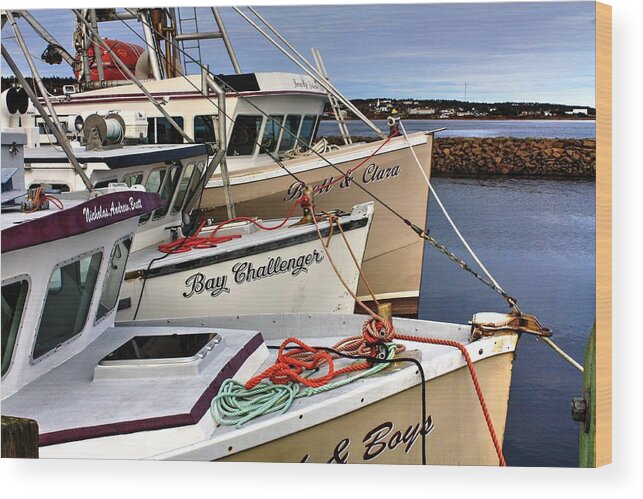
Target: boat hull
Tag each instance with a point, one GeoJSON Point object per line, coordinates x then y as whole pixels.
{"type": "Point", "coordinates": [394, 253]}
{"type": "Point", "coordinates": [291, 275]}
{"type": "Point", "coordinates": [389, 431]}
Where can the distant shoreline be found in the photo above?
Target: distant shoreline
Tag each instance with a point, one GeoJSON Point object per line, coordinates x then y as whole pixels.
{"type": "Point", "coordinates": [460, 118]}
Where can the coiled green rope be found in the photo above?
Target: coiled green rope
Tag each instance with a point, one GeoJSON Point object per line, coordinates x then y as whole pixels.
{"type": "Point", "coordinates": [237, 405]}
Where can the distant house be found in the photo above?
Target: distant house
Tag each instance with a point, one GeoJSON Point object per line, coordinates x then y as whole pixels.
{"type": "Point", "coordinates": [574, 111]}
{"type": "Point", "coordinates": [422, 111]}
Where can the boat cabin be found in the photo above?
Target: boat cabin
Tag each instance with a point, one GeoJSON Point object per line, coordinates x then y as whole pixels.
{"type": "Point", "coordinates": [292, 101]}
{"type": "Point", "coordinates": [175, 172]}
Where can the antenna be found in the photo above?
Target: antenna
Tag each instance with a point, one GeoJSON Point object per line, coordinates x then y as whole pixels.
{"type": "Point", "coordinates": [465, 91]}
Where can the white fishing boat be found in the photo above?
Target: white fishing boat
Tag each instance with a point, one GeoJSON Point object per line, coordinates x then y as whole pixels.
{"type": "Point", "coordinates": [218, 266]}
{"type": "Point", "coordinates": [179, 269]}
{"type": "Point", "coordinates": [395, 391]}
{"type": "Point", "coordinates": [268, 123]}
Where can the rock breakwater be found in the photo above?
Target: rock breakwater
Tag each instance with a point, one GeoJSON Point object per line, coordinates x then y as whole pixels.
{"type": "Point", "coordinates": [476, 157]}
{"type": "Point", "coordinates": [564, 158]}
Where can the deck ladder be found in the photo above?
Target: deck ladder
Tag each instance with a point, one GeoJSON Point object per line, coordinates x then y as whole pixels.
{"type": "Point", "coordinates": [190, 38]}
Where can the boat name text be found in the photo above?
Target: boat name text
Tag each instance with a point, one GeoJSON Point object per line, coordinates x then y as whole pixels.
{"type": "Point", "coordinates": [100, 212]}
{"type": "Point", "coordinates": [384, 437]}
{"type": "Point", "coordinates": [372, 173]}
{"type": "Point", "coordinates": [243, 272]}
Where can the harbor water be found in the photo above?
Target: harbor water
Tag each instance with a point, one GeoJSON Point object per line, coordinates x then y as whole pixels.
{"type": "Point", "coordinates": [537, 238]}
{"type": "Point", "coordinates": [540, 129]}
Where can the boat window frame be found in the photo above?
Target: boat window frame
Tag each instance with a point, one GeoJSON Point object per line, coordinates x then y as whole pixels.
{"type": "Point", "coordinates": [201, 167]}
{"type": "Point", "coordinates": [97, 250]}
{"type": "Point", "coordinates": [314, 128]}
{"type": "Point", "coordinates": [7, 282]}
{"type": "Point", "coordinates": [296, 134]}
{"type": "Point", "coordinates": [106, 182]}
{"type": "Point", "coordinates": [255, 145]}
{"type": "Point", "coordinates": [280, 131]}
{"type": "Point", "coordinates": [214, 128]}
{"type": "Point", "coordinates": [134, 174]}
{"type": "Point", "coordinates": [179, 208]}
{"type": "Point", "coordinates": [146, 217]}
{"type": "Point", "coordinates": [171, 166]}
{"type": "Point", "coordinates": [179, 119]}
{"type": "Point", "coordinates": [97, 319]}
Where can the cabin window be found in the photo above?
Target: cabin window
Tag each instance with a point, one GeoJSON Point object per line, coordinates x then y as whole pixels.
{"type": "Point", "coordinates": [167, 190]}
{"type": "Point", "coordinates": [289, 135]}
{"type": "Point", "coordinates": [271, 134]}
{"type": "Point", "coordinates": [65, 311]}
{"type": "Point", "coordinates": [133, 179]}
{"type": "Point", "coordinates": [14, 297]}
{"type": "Point", "coordinates": [308, 129]}
{"type": "Point", "coordinates": [196, 180]}
{"type": "Point", "coordinates": [113, 278]}
{"type": "Point", "coordinates": [153, 184]}
{"type": "Point", "coordinates": [160, 131]}
{"type": "Point", "coordinates": [244, 135]}
{"type": "Point", "coordinates": [183, 187]}
{"type": "Point", "coordinates": [105, 183]}
{"type": "Point", "coordinates": [204, 128]}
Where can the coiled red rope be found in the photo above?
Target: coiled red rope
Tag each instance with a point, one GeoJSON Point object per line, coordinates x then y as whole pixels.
{"type": "Point", "coordinates": [40, 198]}
{"type": "Point", "coordinates": [196, 241]}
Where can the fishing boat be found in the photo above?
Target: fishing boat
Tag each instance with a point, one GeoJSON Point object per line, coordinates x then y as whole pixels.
{"type": "Point", "coordinates": [179, 269]}
{"type": "Point", "coordinates": [268, 122]}
{"type": "Point", "coordinates": [379, 390]}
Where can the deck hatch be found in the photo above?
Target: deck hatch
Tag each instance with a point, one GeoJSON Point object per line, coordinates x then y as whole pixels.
{"type": "Point", "coordinates": [164, 349]}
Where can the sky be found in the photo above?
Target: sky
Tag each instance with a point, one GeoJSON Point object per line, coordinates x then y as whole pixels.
{"type": "Point", "coordinates": [526, 52]}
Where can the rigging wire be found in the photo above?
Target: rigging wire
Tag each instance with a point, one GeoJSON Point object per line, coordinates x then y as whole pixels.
{"type": "Point", "coordinates": [283, 128]}
{"type": "Point", "coordinates": [422, 233]}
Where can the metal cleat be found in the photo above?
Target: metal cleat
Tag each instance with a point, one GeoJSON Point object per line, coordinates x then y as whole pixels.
{"type": "Point", "coordinates": [491, 323]}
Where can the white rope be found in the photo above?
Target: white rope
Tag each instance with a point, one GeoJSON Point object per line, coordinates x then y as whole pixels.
{"type": "Point", "coordinates": [564, 355]}
{"type": "Point", "coordinates": [446, 213]}
{"type": "Point", "coordinates": [556, 348]}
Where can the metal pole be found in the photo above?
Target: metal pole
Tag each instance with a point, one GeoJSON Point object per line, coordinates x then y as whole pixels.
{"type": "Point", "coordinates": [87, 70]}
{"type": "Point", "coordinates": [135, 80]}
{"type": "Point", "coordinates": [62, 140]}
{"type": "Point", "coordinates": [45, 35]}
{"type": "Point", "coordinates": [32, 67]}
{"type": "Point", "coordinates": [343, 129]}
{"type": "Point", "coordinates": [209, 83]}
{"type": "Point", "coordinates": [98, 55]}
{"type": "Point", "coordinates": [226, 40]}
{"type": "Point", "coordinates": [328, 86]}
{"type": "Point", "coordinates": [151, 46]}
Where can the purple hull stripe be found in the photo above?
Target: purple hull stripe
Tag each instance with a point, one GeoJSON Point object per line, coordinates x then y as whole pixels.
{"type": "Point", "coordinates": [161, 422]}
{"type": "Point", "coordinates": [98, 212]}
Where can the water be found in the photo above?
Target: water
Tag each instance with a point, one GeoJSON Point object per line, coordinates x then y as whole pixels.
{"type": "Point", "coordinates": [562, 129]}
{"type": "Point", "coordinates": [537, 237]}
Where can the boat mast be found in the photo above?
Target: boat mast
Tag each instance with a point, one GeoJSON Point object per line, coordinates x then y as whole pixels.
{"type": "Point", "coordinates": [310, 71]}
{"type": "Point", "coordinates": [152, 51]}
{"type": "Point", "coordinates": [226, 40]}
{"type": "Point", "coordinates": [97, 50]}
{"type": "Point", "coordinates": [60, 137]}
